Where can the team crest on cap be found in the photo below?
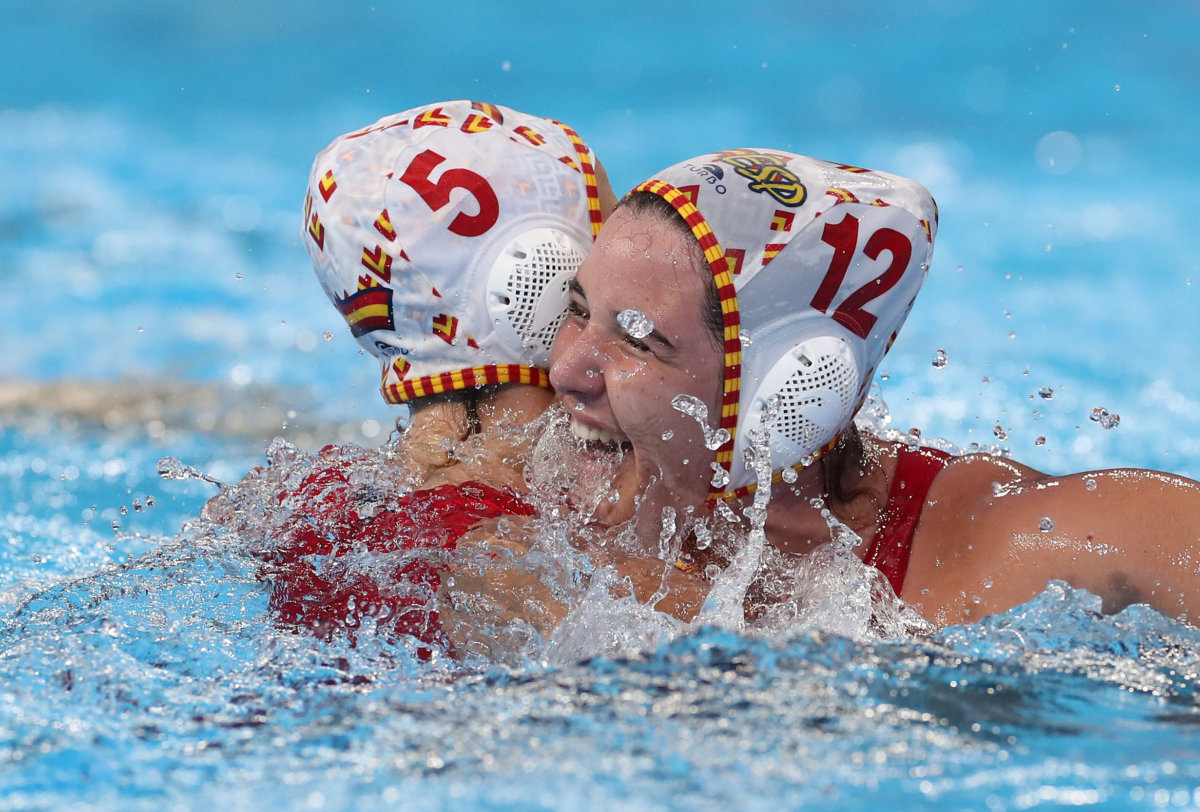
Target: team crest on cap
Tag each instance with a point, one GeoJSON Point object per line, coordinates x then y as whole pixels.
{"type": "Point", "coordinates": [767, 174]}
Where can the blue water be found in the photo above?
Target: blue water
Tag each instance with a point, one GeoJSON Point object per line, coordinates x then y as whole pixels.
{"type": "Point", "coordinates": [154, 158]}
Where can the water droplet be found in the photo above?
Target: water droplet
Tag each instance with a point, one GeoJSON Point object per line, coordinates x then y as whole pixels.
{"type": "Point", "coordinates": [636, 323]}
{"type": "Point", "coordinates": [124, 511]}
{"type": "Point", "coordinates": [693, 407]}
{"type": "Point", "coordinates": [137, 505]}
{"type": "Point", "coordinates": [238, 277]}
{"type": "Point", "coordinates": [171, 468]}
{"type": "Point", "coordinates": [1117, 88]}
{"type": "Point", "coordinates": [725, 512]}
{"type": "Point", "coordinates": [116, 526]}
{"type": "Point", "coordinates": [1089, 484]}
{"type": "Point", "coordinates": [711, 572]}
{"type": "Point", "coordinates": [789, 475]}
{"type": "Point", "coordinates": [720, 477]}
{"type": "Point", "coordinates": [666, 533]}
{"type": "Point", "coordinates": [745, 338]}
{"type": "Point", "coordinates": [150, 501]}
{"type": "Point", "coordinates": [1012, 333]}
{"type": "Point", "coordinates": [939, 359]}
{"type": "Point", "coordinates": [1106, 419]}
{"type": "Point", "coordinates": [1046, 524]}
{"type": "Point", "coordinates": [1040, 441]}
{"type": "Point", "coordinates": [667, 435]}
{"type": "Point", "coordinates": [1046, 393]}
{"type": "Point", "coordinates": [1000, 432]}
{"type": "Point", "coordinates": [328, 336]}
{"type": "Point", "coordinates": [988, 583]}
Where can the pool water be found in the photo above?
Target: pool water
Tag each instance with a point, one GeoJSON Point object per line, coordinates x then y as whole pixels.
{"type": "Point", "coordinates": [157, 302]}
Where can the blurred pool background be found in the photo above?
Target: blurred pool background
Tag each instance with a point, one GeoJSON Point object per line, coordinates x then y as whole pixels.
{"type": "Point", "coordinates": [154, 157]}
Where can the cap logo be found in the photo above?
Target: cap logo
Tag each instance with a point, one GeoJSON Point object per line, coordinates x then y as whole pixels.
{"type": "Point", "coordinates": [768, 174]}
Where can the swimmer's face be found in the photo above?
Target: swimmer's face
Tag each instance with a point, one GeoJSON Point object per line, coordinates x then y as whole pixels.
{"type": "Point", "coordinates": [617, 384]}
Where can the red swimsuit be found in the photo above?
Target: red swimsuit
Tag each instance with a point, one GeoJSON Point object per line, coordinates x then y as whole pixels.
{"type": "Point", "coordinates": [316, 584]}
{"type": "Point", "coordinates": [889, 550]}
{"type": "Point", "coordinates": [332, 568]}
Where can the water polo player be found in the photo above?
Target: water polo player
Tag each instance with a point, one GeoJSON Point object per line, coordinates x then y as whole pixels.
{"type": "Point", "coordinates": [446, 236]}
{"type": "Point", "coordinates": [750, 283]}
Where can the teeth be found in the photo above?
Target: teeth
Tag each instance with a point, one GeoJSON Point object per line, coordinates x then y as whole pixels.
{"type": "Point", "coordinates": [589, 434]}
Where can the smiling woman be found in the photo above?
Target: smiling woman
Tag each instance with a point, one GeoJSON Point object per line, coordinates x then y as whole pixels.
{"type": "Point", "coordinates": [618, 379]}
{"type": "Point", "coordinates": [816, 267]}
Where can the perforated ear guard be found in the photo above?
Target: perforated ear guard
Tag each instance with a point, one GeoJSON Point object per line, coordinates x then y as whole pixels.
{"type": "Point", "coordinates": [527, 289]}
{"type": "Point", "coordinates": [811, 393]}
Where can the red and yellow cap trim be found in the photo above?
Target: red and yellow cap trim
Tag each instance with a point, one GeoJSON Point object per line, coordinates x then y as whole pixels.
{"type": "Point", "coordinates": [589, 176]}
{"type": "Point", "coordinates": [729, 310]}
{"type": "Point", "coordinates": [458, 379]}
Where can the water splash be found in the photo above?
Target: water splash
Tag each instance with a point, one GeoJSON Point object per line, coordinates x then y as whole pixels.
{"type": "Point", "coordinates": [693, 407]}
{"type": "Point", "coordinates": [174, 469]}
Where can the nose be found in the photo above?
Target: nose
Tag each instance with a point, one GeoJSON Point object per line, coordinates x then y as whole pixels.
{"type": "Point", "coordinates": [576, 362]}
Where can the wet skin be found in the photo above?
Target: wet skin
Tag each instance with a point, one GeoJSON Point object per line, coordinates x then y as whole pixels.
{"type": "Point", "coordinates": [618, 387]}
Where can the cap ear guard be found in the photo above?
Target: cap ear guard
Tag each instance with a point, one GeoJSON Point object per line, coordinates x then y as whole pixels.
{"type": "Point", "coordinates": [527, 289]}
{"type": "Point", "coordinates": [816, 384]}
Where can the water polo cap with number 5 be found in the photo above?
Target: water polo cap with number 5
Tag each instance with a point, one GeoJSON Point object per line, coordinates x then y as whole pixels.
{"type": "Point", "coordinates": [817, 265]}
{"type": "Point", "coordinates": [446, 236]}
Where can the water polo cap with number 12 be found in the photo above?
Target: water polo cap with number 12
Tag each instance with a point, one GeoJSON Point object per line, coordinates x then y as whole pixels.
{"type": "Point", "coordinates": [446, 237]}
{"type": "Point", "coordinates": [817, 265]}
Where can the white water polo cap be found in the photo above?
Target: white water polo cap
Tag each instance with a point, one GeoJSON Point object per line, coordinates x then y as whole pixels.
{"type": "Point", "coordinates": [817, 265]}
{"type": "Point", "coordinates": [447, 235]}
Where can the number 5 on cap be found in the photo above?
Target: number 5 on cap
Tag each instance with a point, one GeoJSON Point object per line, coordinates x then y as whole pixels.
{"type": "Point", "coordinates": [437, 195]}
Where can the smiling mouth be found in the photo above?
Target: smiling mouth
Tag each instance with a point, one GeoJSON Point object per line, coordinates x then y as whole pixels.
{"type": "Point", "coordinates": [599, 439]}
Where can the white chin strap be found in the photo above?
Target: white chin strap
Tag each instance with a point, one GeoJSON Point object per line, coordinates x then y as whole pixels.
{"type": "Point", "coordinates": [806, 398]}
{"type": "Point", "coordinates": [527, 289]}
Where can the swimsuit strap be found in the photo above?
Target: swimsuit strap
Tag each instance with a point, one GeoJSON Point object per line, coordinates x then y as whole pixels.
{"type": "Point", "coordinates": [890, 548]}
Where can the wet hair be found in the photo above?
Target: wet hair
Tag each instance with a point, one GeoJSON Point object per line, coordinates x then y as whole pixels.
{"type": "Point", "coordinates": [841, 464]}
{"type": "Point", "coordinates": [469, 399]}
{"type": "Point", "coordinates": [647, 203]}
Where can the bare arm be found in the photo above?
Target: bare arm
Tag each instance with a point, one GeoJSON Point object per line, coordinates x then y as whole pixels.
{"type": "Point", "coordinates": [997, 532]}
